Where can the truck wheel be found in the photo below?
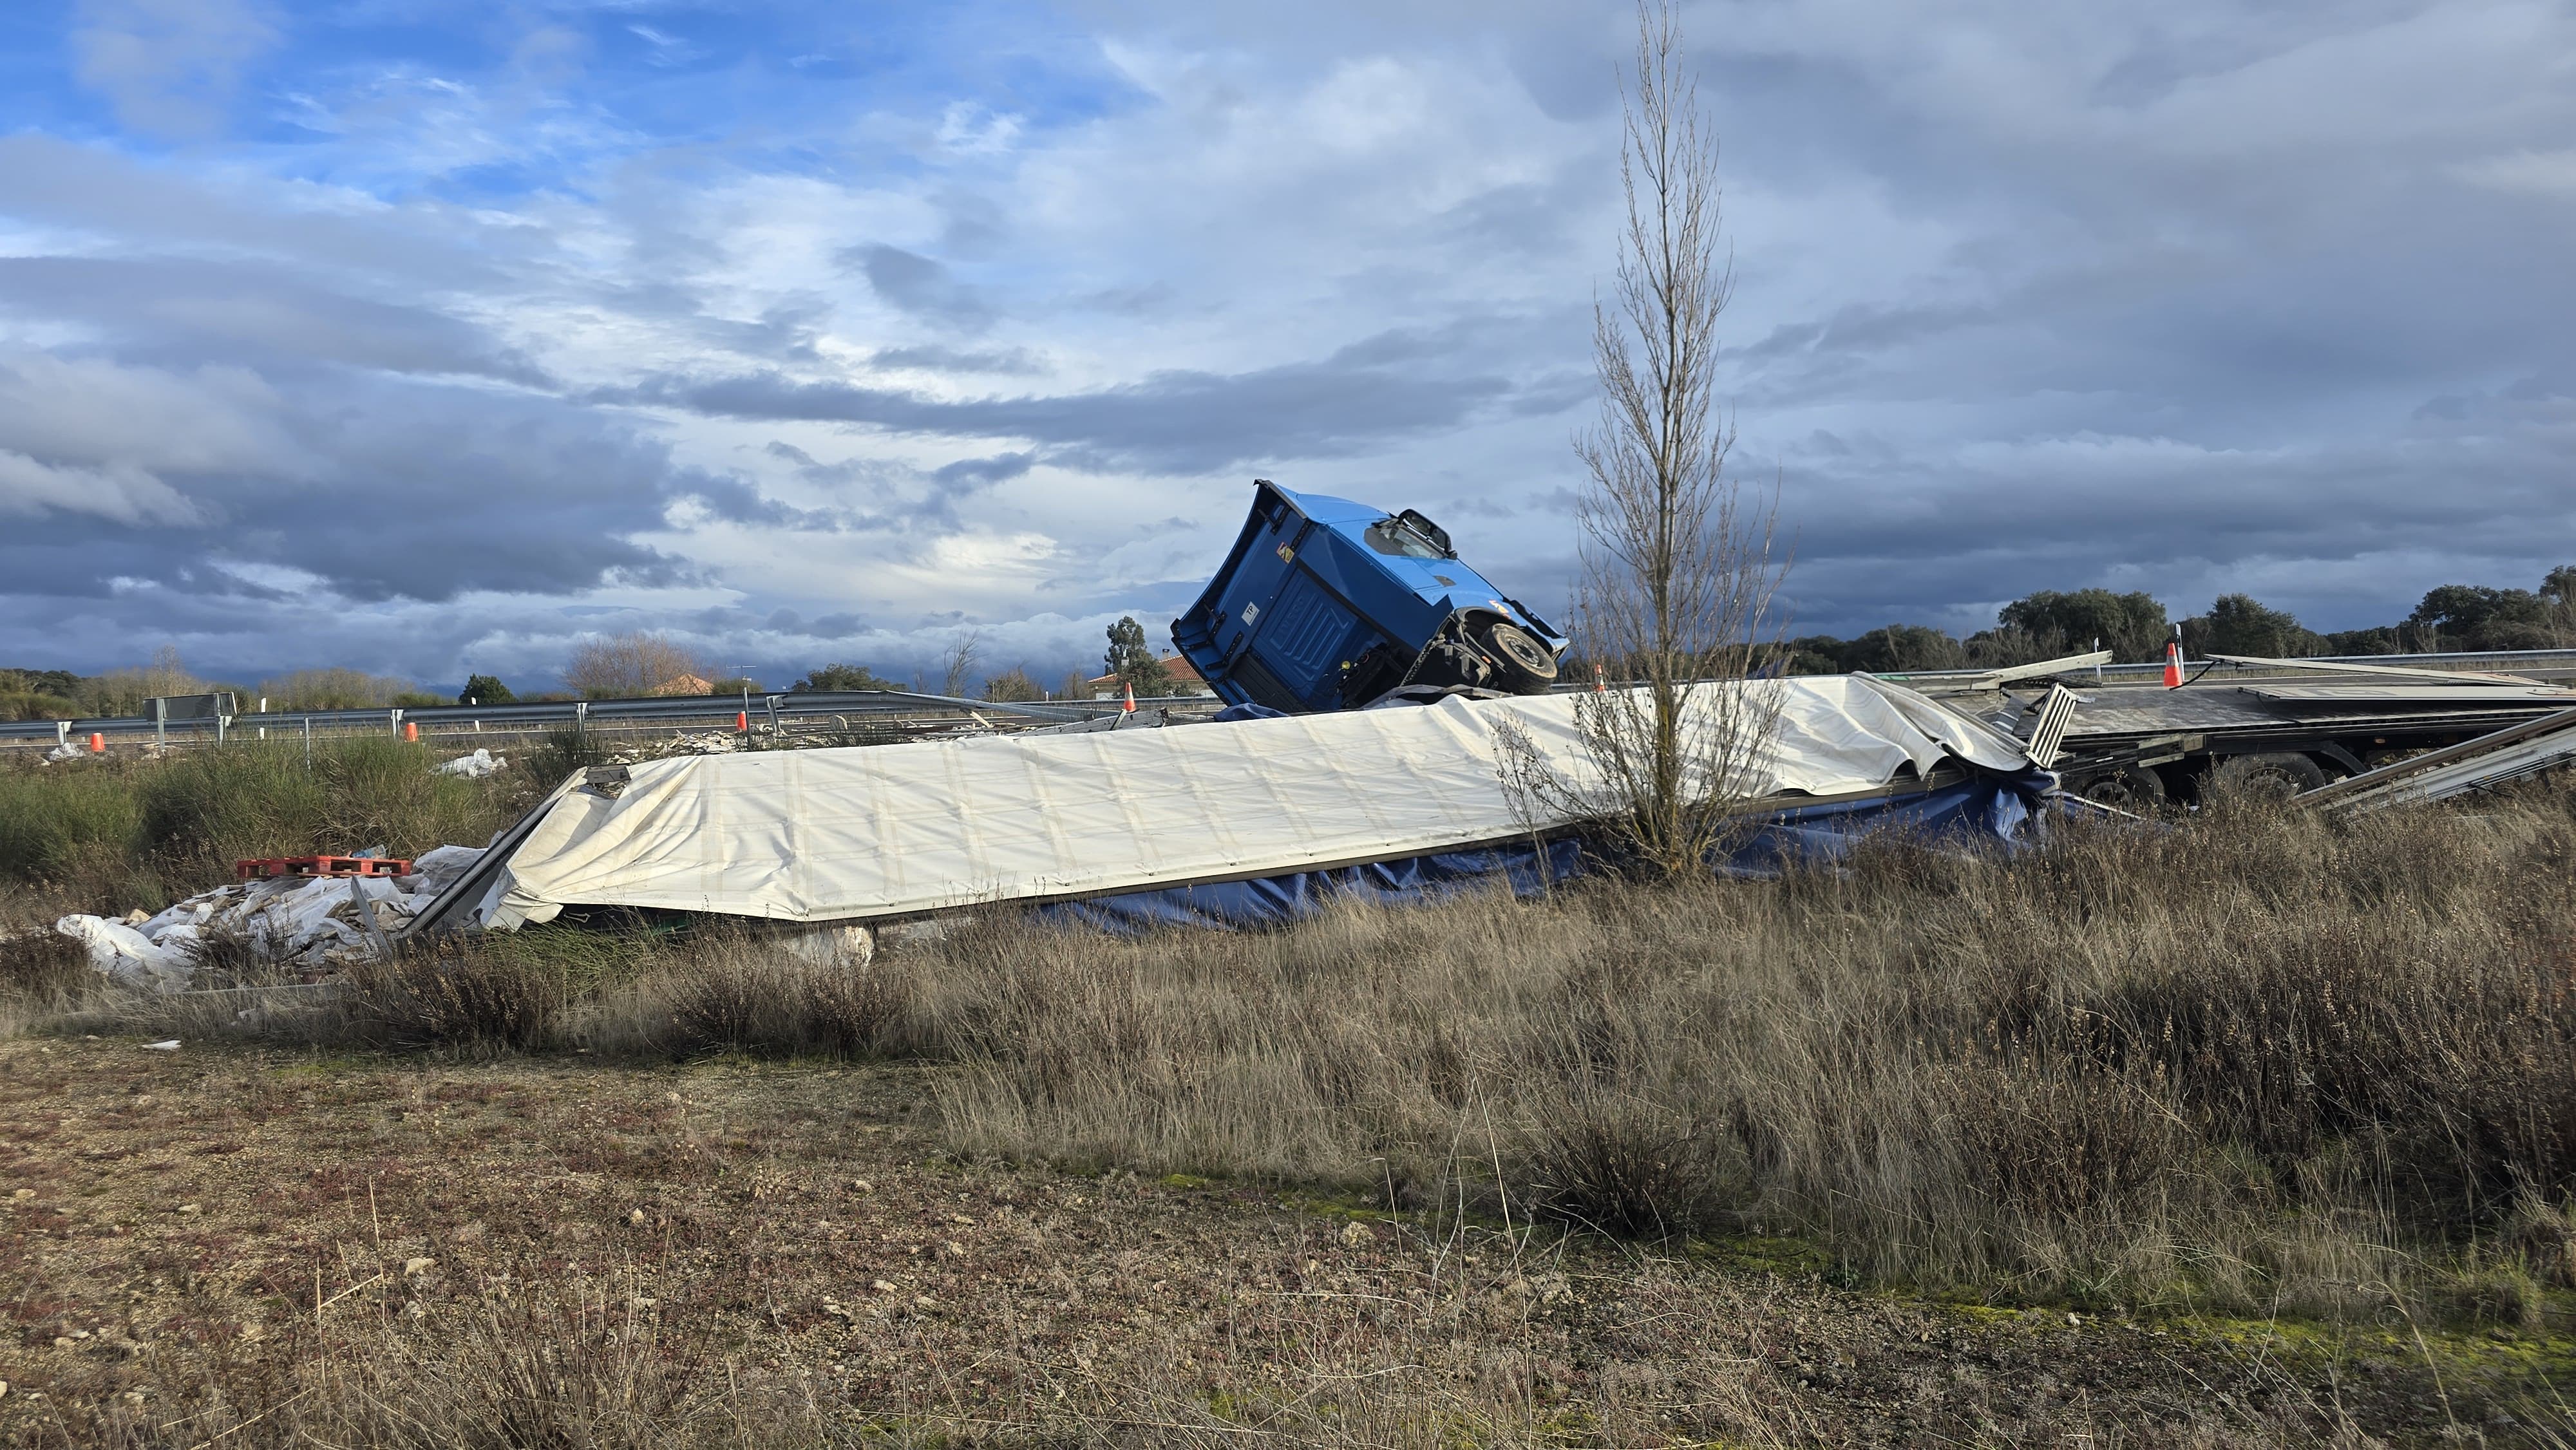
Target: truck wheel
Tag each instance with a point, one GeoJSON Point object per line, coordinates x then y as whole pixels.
{"type": "Point", "coordinates": [2130, 787]}
{"type": "Point", "coordinates": [2279, 776]}
{"type": "Point", "coordinates": [1524, 666]}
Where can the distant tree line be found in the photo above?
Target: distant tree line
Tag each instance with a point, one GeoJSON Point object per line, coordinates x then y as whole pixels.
{"type": "Point", "coordinates": [1128, 659]}
{"type": "Point", "coordinates": [2134, 627]}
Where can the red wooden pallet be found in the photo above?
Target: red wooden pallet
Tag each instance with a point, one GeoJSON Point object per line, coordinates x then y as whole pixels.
{"type": "Point", "coordinates": [253, 869]}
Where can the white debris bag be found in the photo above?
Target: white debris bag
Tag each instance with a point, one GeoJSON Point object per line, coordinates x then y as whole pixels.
{"type": "Point", "coordinates": [307, 924]}
{"type": "Point", "coordinates": [474, 767]}
{"type": "Point", "coordinates": [125, 955]}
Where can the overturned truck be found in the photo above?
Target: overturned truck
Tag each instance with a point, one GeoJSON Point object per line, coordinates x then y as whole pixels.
{"type": "Point", "coordinates": [1375, 683]}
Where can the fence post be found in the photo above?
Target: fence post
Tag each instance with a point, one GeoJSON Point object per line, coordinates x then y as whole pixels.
{"type": "Point", "coordinates": [395, 716]}
{"type": "Point", "coordinates": [308, 742]}
{"type": "Point", "coordinates": [160, 723]}
{"type": "Point", "coordinates": [580, 724]}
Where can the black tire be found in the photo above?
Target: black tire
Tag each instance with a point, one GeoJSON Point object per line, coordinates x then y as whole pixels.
{"type": "Point", "coordinates": [1523, 664]}
{"type": "Point", "coordinates": [2280, 776]}
{"type": "Point", "coordinates": [2129, 787]}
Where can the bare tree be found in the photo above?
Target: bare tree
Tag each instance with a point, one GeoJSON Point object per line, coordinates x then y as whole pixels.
{"type": "Point", "coordinates": [122, 692]}
{"type": "Point", "coordinates": [958, 664]}
{"type": "Point", "coordinates": [626, 665]}
{"type": "Point", "coordinates": [1677, 571]}
{"type": "Point", "coordinates": [1013, 686]}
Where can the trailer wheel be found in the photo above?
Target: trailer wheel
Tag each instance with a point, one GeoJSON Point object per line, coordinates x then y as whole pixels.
{"type": "Point", "coordinates": [1524, 664]}
{"type": "Point", "coordinates": [2130, 787]}
{"type": "Point", "coordinates": [2279, 775]}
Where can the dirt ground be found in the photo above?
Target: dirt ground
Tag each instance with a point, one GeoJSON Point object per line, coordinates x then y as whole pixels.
{"type": "Point", "coordinates": [211, 1214]}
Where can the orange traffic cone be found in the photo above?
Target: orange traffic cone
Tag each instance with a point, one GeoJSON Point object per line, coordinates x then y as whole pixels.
{"type": "Point", "coordinates": [1130, 707]}
{"type": "Point", "coordinates": [1599, 685]}
{"type": "Point", "coordinates": [411, 730]}
{"type": "Point", "coordinates": [2173, 664]}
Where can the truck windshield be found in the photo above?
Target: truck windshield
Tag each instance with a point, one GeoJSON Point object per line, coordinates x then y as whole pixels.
{"type": "Point", "coordinates": [1395, 536]}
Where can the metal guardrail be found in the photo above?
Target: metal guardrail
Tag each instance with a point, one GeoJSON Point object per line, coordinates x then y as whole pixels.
{"type": "Point", "coordinates": [2508, 662]}
{"type": "Point", "coordinates": [774, 709]}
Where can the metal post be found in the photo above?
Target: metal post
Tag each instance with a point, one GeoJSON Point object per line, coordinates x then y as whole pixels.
{"type": "Point", "coordinates": [580, 723]}
{"type": "Point", "coordinates": [160, 723]}
{"type": "Point", "coordinates": [308, 742]}
{"type": "Point", "coordinates": [772, 702]}
{"type": "Point", "coordinates": [395, 715]}
{"type": "Point", "coordinates": [62, 734]}
{"type": "Point", "coordinates": [220, 722]}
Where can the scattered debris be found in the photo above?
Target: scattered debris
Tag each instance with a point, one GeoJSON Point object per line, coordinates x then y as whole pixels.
{"type": "Point", "coordinates": [309, 923]}
{"type": "Point", "coordinates": [682, 742]}
{"type": "Point", "coordinates": [474, 767]}
{"type": "Point", "coordinates": [168, 1045]}
{"type": "Point", "coordinates": [364, 863]}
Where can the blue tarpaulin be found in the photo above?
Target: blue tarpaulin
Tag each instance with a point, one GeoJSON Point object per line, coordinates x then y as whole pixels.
{"type": "Point", "coordinates": [1989, 809]}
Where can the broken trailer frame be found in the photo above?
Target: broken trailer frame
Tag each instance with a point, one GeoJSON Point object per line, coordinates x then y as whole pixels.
{"type": "Point", "coordinates": [2299, 726]}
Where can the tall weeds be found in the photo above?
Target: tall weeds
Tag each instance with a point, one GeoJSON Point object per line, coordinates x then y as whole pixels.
{"type": "Point", "coordinates": [114, 834]}
{"type": "Point", "coordinates": [2253, 1060]}
{"type": "Point", "coordinates": [2256, 1060]}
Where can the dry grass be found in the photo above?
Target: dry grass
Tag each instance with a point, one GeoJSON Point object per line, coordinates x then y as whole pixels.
{"type": "Point", "coordinates": [2248, 1064]}
{"type": "Point", "coordinates": [283, 1250]}
{"type": "Point", "coordinates": [2255, 1063]}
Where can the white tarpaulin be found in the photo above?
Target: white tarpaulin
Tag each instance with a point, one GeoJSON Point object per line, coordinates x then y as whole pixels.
{"type": "Point", "coordinates": [828, 835]}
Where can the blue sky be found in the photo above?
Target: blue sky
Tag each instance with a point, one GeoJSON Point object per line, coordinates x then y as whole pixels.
{"type": "Point", "coordinates": [426, 338]}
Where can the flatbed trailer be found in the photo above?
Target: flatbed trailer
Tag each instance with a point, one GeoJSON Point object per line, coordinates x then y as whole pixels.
{"type": "Point", "coordinates": [2140, 744]}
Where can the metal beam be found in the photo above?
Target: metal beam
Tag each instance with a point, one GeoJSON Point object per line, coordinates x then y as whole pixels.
{"type": "Point", "coordinates": [2348, 667]}
{"type": "Point", "coordinates": [1955, 684]}
{"type": "Point", "coordinates": [2454, 768]}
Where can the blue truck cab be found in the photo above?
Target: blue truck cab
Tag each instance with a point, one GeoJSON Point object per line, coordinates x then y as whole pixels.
{"type": "Point", "coordinates": [1325, 604]}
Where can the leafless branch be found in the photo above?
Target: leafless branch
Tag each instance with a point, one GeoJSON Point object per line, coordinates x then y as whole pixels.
{"type": "Point", "coordinates": [1679, 568]}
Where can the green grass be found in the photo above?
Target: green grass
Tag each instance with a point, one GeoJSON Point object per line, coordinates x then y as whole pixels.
{"type": "Point", "coordinates": [114, 834]}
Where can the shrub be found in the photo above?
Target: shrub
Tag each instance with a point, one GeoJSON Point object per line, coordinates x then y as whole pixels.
{"type": "Point", "coordinates": [744, 996]}
{"type": "Point", "coordinates": [115, 834]}
{"type": "Point", "coordinates": [31, 705]}
{"type": "Point", "coordinates": [62, 824]}
{"type": "Point", "coordinates": [333, 689]}
{"type": "Point", "coordinates": [460, 994]}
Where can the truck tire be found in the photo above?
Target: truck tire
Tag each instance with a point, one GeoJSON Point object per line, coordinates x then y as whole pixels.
{"type": "Point", "coordinates": [1522, 663]}
{"type": "Point", "coordinates": [2129, 787]}
{"type": "Point", "coordinates": [2281, 775]}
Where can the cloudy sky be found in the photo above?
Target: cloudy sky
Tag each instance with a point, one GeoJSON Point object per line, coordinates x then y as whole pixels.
{"type": "Point", "coordinates": [427, 337]}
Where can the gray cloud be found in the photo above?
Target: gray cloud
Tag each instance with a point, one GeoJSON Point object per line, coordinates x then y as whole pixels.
{"type": "Point", "coordinates": [181, 307]}
{"type": "Point", "coordinates": [2215, 298]}
{"type": "Point", "coordinates": [1172, 422]}
{"type": "Point", "coordinates": [170, 66]}
{"type": "Point", "coordinates": [930, 357]}
{"type": "Point", "coordinates": [969, 474]}
{"type": "Point", "coordinates": [920, 286]}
